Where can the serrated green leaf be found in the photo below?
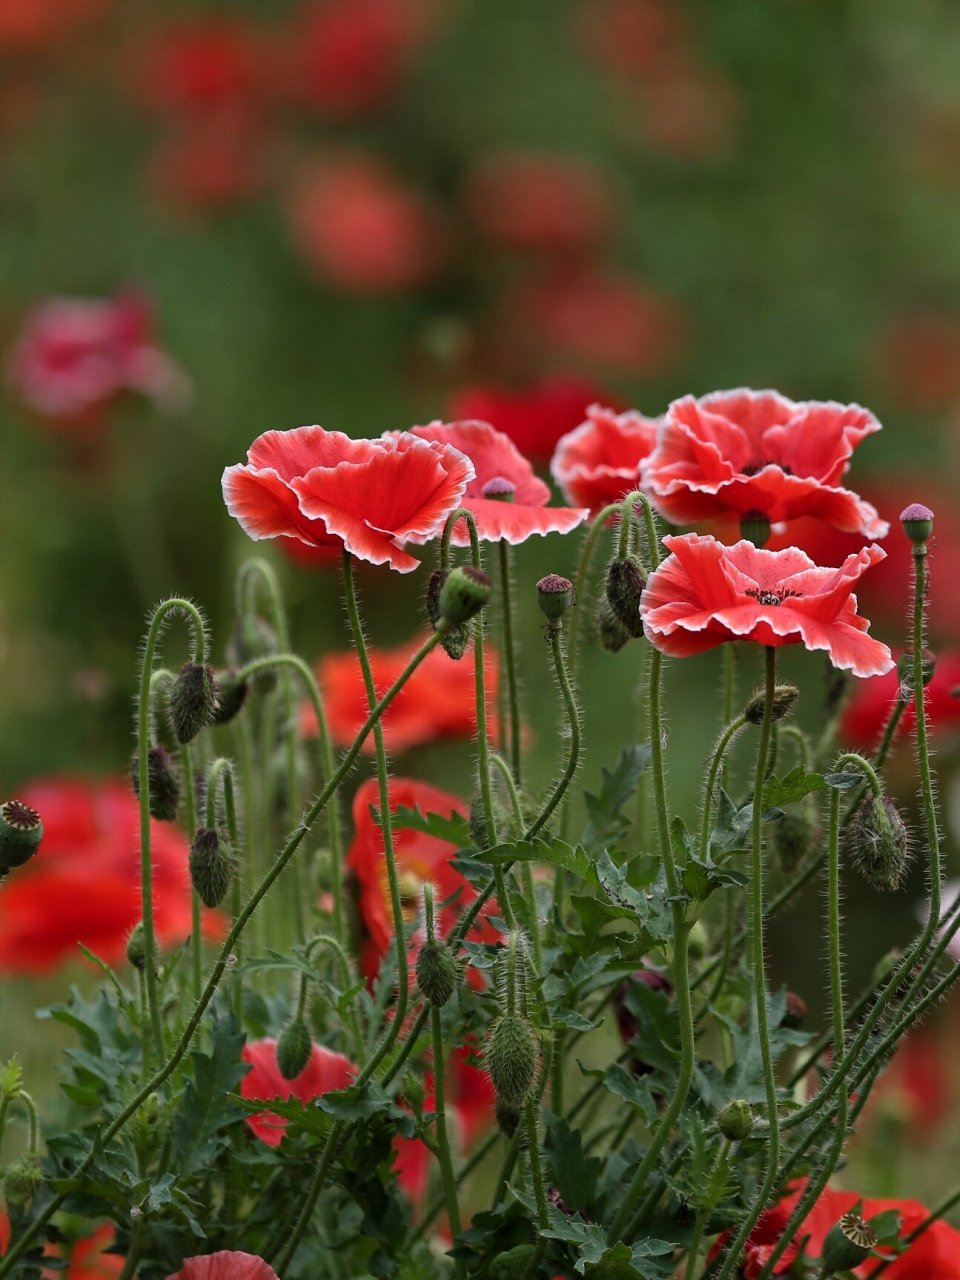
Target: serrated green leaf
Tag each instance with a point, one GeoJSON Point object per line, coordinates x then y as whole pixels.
{"type": "Point", "coordinates": [791, 787]}
{"type": "Point", "coordinates": [575, 1174]}
{"type": "Point", "coordinates": [206, 1108]}
{"type": "Point", "coordinates": [606, 821]}
{"type": "Point", "coordinates": [356, 1102]}
{"type": "Point", "coordinates": [453, 828]}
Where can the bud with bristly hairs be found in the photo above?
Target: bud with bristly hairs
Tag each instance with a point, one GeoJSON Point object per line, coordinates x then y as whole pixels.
{"type": "Point", "coordinates": [880, 843]}
{"type": "Point", "coordinates": [193, 700]}
{"type": "Point", "coordinates": [293, 1048]}
{"type": "Point", "coordinates": [436, 967]}
{"type": "Point", "coordinates": [512, 1052]}
{"type": "Point", "coordinates": [164, 783]}
{"type": "Point", "coordinates": [784, 696]}
{"type": "Point", "coordinates": [464, 593]}
{"type": "Point", "coordinates": [22, 1181]}
{"type": "Point", "coordinates": [611, 632]}
{"type": "Point", "coordinates": [625, 584]}
{"type": "Point", "coordinates": [137, 947]}
{"type": "Point", "coordinates": [735, 1120]}
{"type": "Point", "coordinates": [455, 639]}
{"type": "Point", "coordinates": [231, 696]}
{"type": "Point", "coordinates": [211, 865]}
{"type": "Point", "coordinates": [21, 830]}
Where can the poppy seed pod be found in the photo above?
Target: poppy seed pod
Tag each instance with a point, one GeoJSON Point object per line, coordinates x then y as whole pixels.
{"type": "Point", "coordinates": [163, 783]}
{"type": "Point", "coordinates": [849, 1242]}
{"type": "Point", "coordinates": [253, 638]}
{"type": "Point", "coordinates": [456, 638]}
{"type": "Point", "coordinates": [464, 593]}
{"type": "Point", "coordinates": [21, 830]}
{"type": "Point", "coordinates": [193, 700]}
{"type": "Point", "coordinates": [917, 521]}
{"type": "Point", "coordinates": [625, 583]}
{"type": "Point", "coordinates": [880, 843]}
{"type": "Point", "coordinates": [512, 1059]}
{"type": "Point", "coordinates": [211, 866]}
{"type": "Point", "coordinates": [554, 596]}
{"type": "Point", "coordinates": [293, 1048]}
{"type": "Point", "coordinates": [436, 973]}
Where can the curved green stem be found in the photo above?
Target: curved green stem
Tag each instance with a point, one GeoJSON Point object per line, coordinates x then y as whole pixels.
{"type": "Point", "coordinates": [716, 763]}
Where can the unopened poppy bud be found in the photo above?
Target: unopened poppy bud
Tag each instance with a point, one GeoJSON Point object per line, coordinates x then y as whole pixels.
{"type": "Point", "coordinates": [796, 1011]}
{"type": "Point", "coordinates": [512, 1059]}
{"type": "Point", "coordinates": [755, 527]}
{"type": "Point", "coordinates": [211, 866]}
{"type": "Point", "coordinates": [881, 843]}
{"type": "Point", "coordinates": [793, 836]}
{"type": "Point", "coordinates": [436, 973]}
{"type": "Point", "coordinates": [231, 696]}
{"type": "Point", "coordinates": [611, 632]}
{"type": "Point", "coordinates": [293, 1048]}
{"type": "Point", "coordinates": [22, 1181]}
{"type": "Point", "coordinates": [554, 596]}
{"type": "Point", "coordinates": [735, 1120]}
{"type": "Point", "coordinates": [464, 593]}
{"type": "Point", "coordinates": [164, 783]}
{"type": "Point", "coordinates": [137, 947]}
{"type": "Point", "coordinates": [508, 1117]}
{"type": "Point", "coordinates": [784, 696]}
{"type": "Point", "coordinates": [21, 830]}
{"type": "Point", "coordinates": [193, 700]}
{"type": "Point", "coordinates": [625, 583]}
{"type": "Point", "coordinates": [917, 521]}
{"type": "Point", "coordinates": [455, 639]}
{"type": "Point", "coordinates": [848, 1243]}
{"type": "Point", "coordinates": [253, 638]}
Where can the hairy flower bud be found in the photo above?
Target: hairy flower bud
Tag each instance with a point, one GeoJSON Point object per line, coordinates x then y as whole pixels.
{"type": "Point", "coordinates": [21, 830]}
{"type": "Point", "coordinates": [137, 947]}
{"type": "Point", "coordinates": [193, 700]}
{"type": "Point", "coordinates": [211, 865]}
{"type": "Point", "coordinates": [880, 843]}
{"type": "Point", "coordinates": [164, 783]}
{"type": "Point", "coordinates": [848, 1243]}
{"type": "Point", "coordinates": [293, 1048]}
{"type": "Point", "coordinates": [735, 1120]}
{"type": "Point", "coordinates": [796, 1011]}
{"type": "Point", "coordinates": [554, 596]}
{"type": "Point", "coordinates": [625, 583]}
{"type": "Point", "coordinates": [611, 632]}
{"type": "Point", "coordinates": [22, 1181]}
{"type": "Point", "coordinates": [457, 638]}
{"type": "Point", "coordinates": [917, 521]}
{"type": "Point", "coordinates": [253, 638]}
{"type": "Point", "coordinates": [512, 1059]}
{"type": "Point", "coordinates": [784, 696]}
{"type": "Point", "coordinates": [436, 973]}
{"type": "Point", "coordinates": [231, 696]}
{"type": "Point", "coordinates": [464, 593]}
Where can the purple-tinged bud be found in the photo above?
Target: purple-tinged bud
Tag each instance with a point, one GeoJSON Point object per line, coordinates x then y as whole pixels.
{"type": "Point", "coordinates": [755, 527]}
{"type": "Point", "coordinates": [294, 1048]}
{"type": "Point", "coordinates": [796, 1011]}
{"type": "Point", "coordinates": [784, 696]}
{"type": "Point", "coordinates": [917, 521]}
{"type": "Point", "coordinates": [848, 1243]}
{"type": "Point", "coordinates": [163, 788]}
{"type": "Point", "coordinates": [21, 830]}
{"type": "Point", "coordinates": [880, 843]}
{"type": "Point", "coordinates": [499, 489]}
{"type": "Point", "coordinates": [554, 596]}
{"type": "Point", "coordinates": [231, 696]}
{"type": "Point", "coordinates": [625, 584]}
{"type": "Point", "coordinates": [211, 866]}
{"type": "Point", "coordinates": [193, 700]}
{"type": "Point", "coordinates": [456, 639]}
{"type": "Point", "coordinates": [463, 594]}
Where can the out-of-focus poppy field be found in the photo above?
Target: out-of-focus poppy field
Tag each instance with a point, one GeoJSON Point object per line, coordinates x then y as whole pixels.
{"type": "Point", "coordinates": [220, 218]}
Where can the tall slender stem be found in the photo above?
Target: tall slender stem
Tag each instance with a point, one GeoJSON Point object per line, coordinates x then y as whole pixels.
{"type": "Point", "coordinates": [440, 1124]}
{"type": "Point", "coordinates": [510, 660]}
{"type": "Point", "coordinates": [196, 916]}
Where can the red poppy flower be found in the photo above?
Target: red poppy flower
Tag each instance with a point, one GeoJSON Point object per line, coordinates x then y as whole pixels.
{"type": "Point", "coordinates": [704, 594]}
{"type": "Point", "coordinates": [917, 359]}
{"type": "Point", "coordinates": [631, 37]}
{"type": "Point", "coordinates": [361, 229]}
{"type": "Point", "coordinates": [209, 165]}
{"type": "Point", "coordinates": [438, 701]}
{"type": "Point", "coordinates": [75, 355]}
{"type": "Point", "coordinates": [27, 25]}
{"type": "Point", "coordinates": [225, 1265]}
{"type": "Point", "coordinates": [756, 451]}
{"type": "Point", "coordinates": [325, 1071]}
{"type": "Point", "coordinates": [534, 417]}
{"type": "Point", "coordinates": [916, 1087]}
{"type": "Point", "coordinates": [535, 201]}
{"type": "Point", "coordinates": [419, 858]}
{"type": "Point", "coordinates": [868, 709]}
{"type": "Point", "coordinates": [84, 884]}
{"type": "Point", "coordinates": [87, 1258]}
{"type": "Point", "coordinates": [368, 496]}
{"type": "Point", "coordinates": [600, 461]}
{"type": "Point", "coordinates": [201, 66]}
{"type": "Point", "coordinates": [507, 500]}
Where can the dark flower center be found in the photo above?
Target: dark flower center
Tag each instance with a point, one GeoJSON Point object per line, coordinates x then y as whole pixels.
{"type": "Point", "coordinates": [752, 468]}
{"type": "Point", "coordinates": [772, 597]}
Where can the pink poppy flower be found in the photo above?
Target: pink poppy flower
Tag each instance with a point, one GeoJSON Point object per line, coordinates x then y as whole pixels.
{"type": "Point", "coordinates": [326, 490]}
{"type": "Point", "coordinates": [868, 709]}
{"type": "Point", "coordinates": [325, 1072]}
{"type": "Point", "coordinates": [536, 416]}
{"type": "Point", "coordinates": [705, 594]}
{"type": "Point", "coordinates": [507, 500]}
{"type": "Point", "coordinates": [600, 461]}
{"type": "Point", "coordinates": [756, 451]}
{"type": "Point", "coordinates": [225, 1265]}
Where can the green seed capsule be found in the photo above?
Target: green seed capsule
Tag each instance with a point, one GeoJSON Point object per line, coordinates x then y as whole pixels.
{"type": "Point", "coordinates": [21, 830]}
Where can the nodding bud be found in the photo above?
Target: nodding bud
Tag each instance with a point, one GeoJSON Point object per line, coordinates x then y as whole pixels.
{"type": "Point", "coordinates": [508, 1117]}
{"type": "Point", "coordinates": [917, 521]}
{"type": "Point", "coordinates": [436, 972]}
{"type": "Point", "coordinates": [794, 835]}
{"type": "Point", "coordinates": [625, 583]}
{"type": "Point", "coordinates": [455, 639]}
{"type": "Point", "coordinates": [463, 594]}
{"type": "Point", "coordinates": [294, 1048]}
{"type": "Point", "coordinates": [848, 1243]}
{"type": "Point", "coordinates": [21, 830]}
{"type": "Point", "coordinates": [193, 700]}
{"type": "Point", "coordinates": [554, 596]}
{"type": "Point", "coordinates": [611, 632]}
{"type": "Point", "coordinates": [231, 696]}
{"type": "Point", "coordinates": [499, 489]}
{"type": "Point", "coordinates": [795, 1013]}
{"type": "Point", "coordinates": [250, 639]}
{"type": "Point", "coordinates": [137, 947]}
{"type": "Point", "coordinates": [755, 527]}
{"type": "Point", "coordinates": [22, 1181]}
{"type": "Point", "coordinates": [211, 866]}
{"type": "Point", "coordinates": [784, 696]}
{"type": "Point", "coordinates": [163, 789]}
{"type": "Point", "coordinates": [735, 1120]}
{"type": "Point", "coordinates": [511, 1056]}
{"type": "Point", "coordinates": [880, 843]}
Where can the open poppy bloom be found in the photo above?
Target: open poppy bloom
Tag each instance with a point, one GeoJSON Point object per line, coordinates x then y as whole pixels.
{"type": "Point", "coordinates": [84, 883]}
{"type": "Point", "coordinates": [535, 417]}
{"type": "Point", "coordinates": [87, 1258]}
{"type": "Point", "coordinates": [368, 496]}
{"type": "Point", "coordinates": [753, 452]}
{"type": "Point", "coordinates": [438, 701]}
{"type": "Point", "coordinates": [600, 461]}
{"type": "Point", "coordinates": [325, 1072]}
{"type": "Point", "coordinates": [507, 500]}
{"type": "Point", "coordinates": [869, 708]}
{"type": "Point", "coordinates": [705, 594]}
{"type": "Point", "coordinates": [225, 1265]}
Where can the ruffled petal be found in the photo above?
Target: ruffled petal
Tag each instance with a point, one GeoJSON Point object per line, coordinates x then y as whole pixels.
{"type": "Point", "coordinates": [510, 522]}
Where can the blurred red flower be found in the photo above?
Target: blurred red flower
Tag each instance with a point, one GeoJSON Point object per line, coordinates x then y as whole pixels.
{"type": "Point", "coordinates": [84, 883]}
{"type": "Point", "coordinates": [87, 1258]}
{"type": "Point", "coordinates": [507, 500]}
{"type": "Point", "coordinates": [31, 25]}
{"type": "Point", "coordinates": [361, 229]}
{"type": "Point", "coordinates": [705, 594]}
{"type": "Point", "coordinates": [917, 359]}
{"type": "Point", "coordinates": [348, 57]}
{"type": "Point", "coordinates": [600, 461]}
{"type": "Point", "coordinates": [438, 701]}
{"type": "Point", "coordinates": [326, 490]}
{"type": "Point", "coordinates": [534, 417]}
{"type": "Point", "coordinates": [535, 201]}
{"type": "Point", "coordinates": [631, 37]}
{"type": "Point", "coordinates": [225, 1265]}
{"type": "Point", "coordinates": [419, 858]}
{"type": "Point", "coordinates": [687, 110]}
{"type": "Point", "coordinates": [198, 67]}
{"type": "Point", "coordinates": [325, 1071]}
{"type": "Point", "coordinates": [208, 165]}
{"type": "Point", "coordinates": [756, 451]}
{"type": "Point", "coordinates": [867, 711]}
{"type": "Point", "coordinates": [75, 355]}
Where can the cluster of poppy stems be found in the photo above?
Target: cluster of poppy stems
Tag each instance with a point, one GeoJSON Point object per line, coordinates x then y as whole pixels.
{"type": "Point", "coordinates": [745, 463]}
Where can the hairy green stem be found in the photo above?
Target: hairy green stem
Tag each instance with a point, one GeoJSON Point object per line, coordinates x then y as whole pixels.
{"type": "Point", "coordinates": [510, 660]}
